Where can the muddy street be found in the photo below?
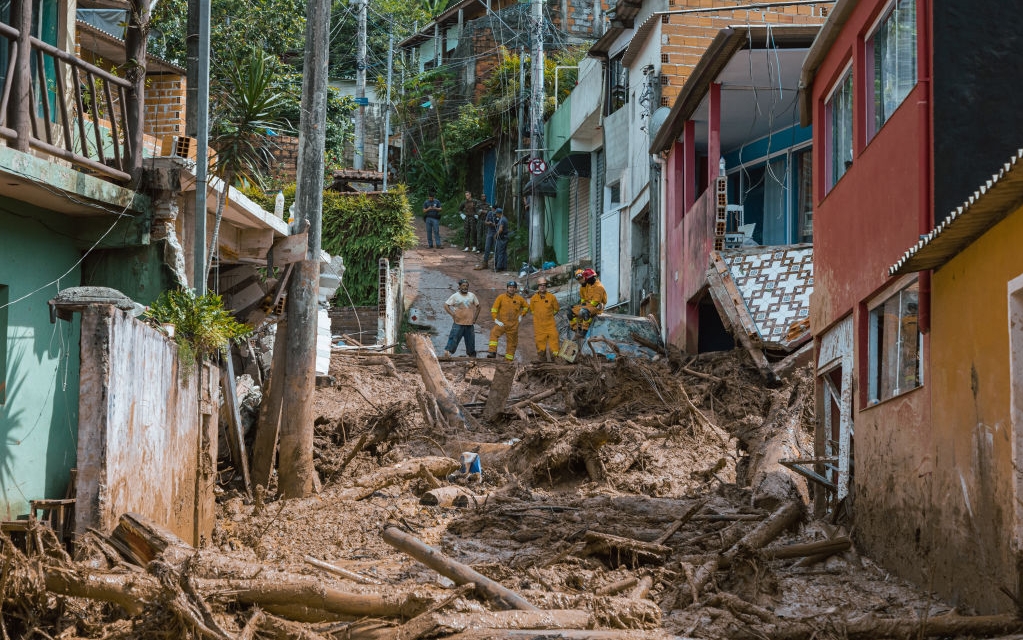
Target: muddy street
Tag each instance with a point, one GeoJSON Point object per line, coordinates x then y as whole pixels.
{"type": "Point", "coordinates": [599, 499]}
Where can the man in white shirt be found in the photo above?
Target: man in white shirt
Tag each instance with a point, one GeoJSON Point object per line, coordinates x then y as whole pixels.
{"type": "Point", "coordinates": [464, 308]}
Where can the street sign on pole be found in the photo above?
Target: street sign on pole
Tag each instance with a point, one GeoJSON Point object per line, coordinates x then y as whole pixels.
{"type": "Point", "coordinates": [537, 166]}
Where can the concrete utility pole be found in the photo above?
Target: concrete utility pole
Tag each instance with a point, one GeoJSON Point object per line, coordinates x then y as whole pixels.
{"type": "Point", "coordinates": [197, 116]}
{"type": "Point", "coordinates": [518, 147]}
{"type": "Point", "coordinates": [384, 162]}
{"type": "Point", "coordinates": [360, 89]}
{"type": "Point", "coordinates": [295, 455]}
{"type": "Point", "coordinates": [536, 133]}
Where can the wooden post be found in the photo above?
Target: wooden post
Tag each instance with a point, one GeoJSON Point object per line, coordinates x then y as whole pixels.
{"type": "Point", "coordinates": [434, 380]}
{"type": "Point", "coordinates": [269, 424]}
{"type": "Point", "coordinates": [234, 422]}
{"type": "Point", "coordinates": [460, 573]}
{"type": "Point", "coordinates": [20, 107]}
{"type": "Point", "coordinates": [504, 375]}
{"type": "Point", "coordinates": [135, 54]}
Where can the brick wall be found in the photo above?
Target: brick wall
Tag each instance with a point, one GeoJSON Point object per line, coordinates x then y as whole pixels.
{"type": "Point", "coordinates": [165, 104]}
{"type": "Point", "coordinates": [685, 37]}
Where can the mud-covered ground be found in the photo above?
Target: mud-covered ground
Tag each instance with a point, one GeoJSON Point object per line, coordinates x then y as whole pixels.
{"type": "Point", "coordinates": [620, 504]}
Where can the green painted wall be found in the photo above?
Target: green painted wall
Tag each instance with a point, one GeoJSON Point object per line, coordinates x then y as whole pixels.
{"type": "Point", "coordinates": [137, 272]}
{"type": "Point", "coordinates": [557, 220]}
{"type": "Point", "coordinates": [39, 414]}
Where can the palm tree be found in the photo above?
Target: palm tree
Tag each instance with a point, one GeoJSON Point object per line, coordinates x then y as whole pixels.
{"type": "Point", "coordinates": [434, 7]}
{"type": "Point", "coordinates": [244, 113]}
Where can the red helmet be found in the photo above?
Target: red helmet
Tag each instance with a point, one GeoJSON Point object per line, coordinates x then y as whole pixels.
{"type": "Point", "coordinates": [589, 273]}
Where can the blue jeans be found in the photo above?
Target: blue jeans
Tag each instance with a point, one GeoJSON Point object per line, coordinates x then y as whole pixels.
{"type": "Point", "coordinates": [488, 248]}
{"type": "Point", "coordinates": [433, 232]}
{"type": "Point", "coordinates": [501, 255]}
{"type": "Point", "coordinates": [459, 332]}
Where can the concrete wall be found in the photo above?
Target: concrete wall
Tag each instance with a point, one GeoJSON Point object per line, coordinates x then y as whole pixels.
{"type": "Point", "coordinates": [148, 431]}
{"type": "Point", "coordinates": [39, 405]}
{"type": "Point", "coordinates": [966, 510]}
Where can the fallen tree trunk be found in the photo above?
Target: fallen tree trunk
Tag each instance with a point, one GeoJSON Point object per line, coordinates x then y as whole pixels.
{"type": "Point", "coordinates": [501, 386]}
{"type": "Point", "coordinates": [434, 380]}
{"type": "Point", "coordinates": [368, 484]}
{"type": "Point", "coordinates": [617, 587]}
{"type": "Point", "coordinates": [565, 634]}
{"type": "Point", "coordinates": [311, 593]}
{"type": "Point", "coordinates": [131, 591]}
{"type": "Point", "coordinates": [776, 439]}
{"type": "Point", "coordinates": [620, 548]}
{"type": "Point", "coordinates": [438, 624]}
{"type": "Point", "coordinates": [445, 497]}
{"type": "Point", "coordinates": [142, 540]}
{"type": "Point", "coordinates": [456, 571]}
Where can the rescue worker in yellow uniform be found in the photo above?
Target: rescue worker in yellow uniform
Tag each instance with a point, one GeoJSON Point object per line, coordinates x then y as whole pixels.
{"type": "Point", "coordinates": [506, 311]}
{"type": "Point", "coordinates": [543, 306]}
{"type": "Point", "coordinates": [592, 299]}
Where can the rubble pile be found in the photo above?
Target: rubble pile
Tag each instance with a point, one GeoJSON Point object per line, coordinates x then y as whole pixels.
{"type": "Point", "coordinates": [624, 499]}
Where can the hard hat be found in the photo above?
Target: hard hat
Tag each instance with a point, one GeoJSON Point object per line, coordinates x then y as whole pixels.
{"type": "Point", "coordinates": [584, 313]}
{"type": "Point", "coordinates": [512, 283]}
{"type": "Point", "coordinates": [541, 281]}
{"type": "Point", "coordinates": [589, 273]}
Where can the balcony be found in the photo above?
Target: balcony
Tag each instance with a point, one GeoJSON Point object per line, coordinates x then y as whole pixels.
{"type": "Point", "coordinates": [58, 105]}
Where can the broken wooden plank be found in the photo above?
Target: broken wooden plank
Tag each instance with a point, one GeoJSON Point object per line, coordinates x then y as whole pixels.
{"type": "Point", "coordinates": [234, 422]}
{"type": "Point", "coordinates": [141, 540]}
{"type": "Point", "coordinates": [500, 387]}
{"type": "Point", "coordinates": [456, 571]}
{"type": "Point", "coordinates": [288, 250]}
{"type": "Point", "coordinates": [339, 571]}
{"type": "Point", "coordinates": [735, 316]}
{"type": "Point", "coordinates": [268, 426]}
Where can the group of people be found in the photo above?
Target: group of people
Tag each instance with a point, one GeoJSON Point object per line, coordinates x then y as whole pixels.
{"type": "Point", "coordinates": [485, 229]}
{"type": "Point", "coordinates": [510, 307]}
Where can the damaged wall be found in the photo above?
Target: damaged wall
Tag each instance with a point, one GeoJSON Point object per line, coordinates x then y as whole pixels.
{"type": "Point", "coordinates": [147, 436]}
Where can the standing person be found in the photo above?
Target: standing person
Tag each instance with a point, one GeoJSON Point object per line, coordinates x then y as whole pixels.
{"type": "Point", "coordinates": [468, 211]}
{"type": "Point", "coordinates": [501, 241]}
{"type": "Point", "coordinates": [481, 223]}
{"type": "Point", "coordinates": [431, 213]}
{"type": "Point", "coordinates": [544, 306]}
{"type": "Point", "coordinates": [464, 308]}
{"type": "Point", "coordinates": [490, 224]}
{"type": "Point", "coordinates": [508, 308]}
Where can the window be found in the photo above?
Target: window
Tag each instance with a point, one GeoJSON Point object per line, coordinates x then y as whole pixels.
{"type": "Point", "coordinates": [3, 344]}
{"type": "Point", "coordinates": [769, 201]}
{"type": "Point", "coordinates": [838, 123]}
{"type": "Point", "coordinates": [619, 83]}
{"type": "Point", "coordinates": [891, 63]}
{"type": "Point", "coordinates": [895, 347]}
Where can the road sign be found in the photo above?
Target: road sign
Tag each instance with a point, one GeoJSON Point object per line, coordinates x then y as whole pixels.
{"type": "Point", "coordinates": [364, 101]}
{"type": "Point", "coordinates": [537, 166]}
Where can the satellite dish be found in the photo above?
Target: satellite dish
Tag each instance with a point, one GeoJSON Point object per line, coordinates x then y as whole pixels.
{"type": "Point", "coordinates": [656, 120]}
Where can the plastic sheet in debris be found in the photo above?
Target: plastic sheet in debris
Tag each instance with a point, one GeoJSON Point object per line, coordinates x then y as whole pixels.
{"type": "Point", "coordinates": [622, 330]}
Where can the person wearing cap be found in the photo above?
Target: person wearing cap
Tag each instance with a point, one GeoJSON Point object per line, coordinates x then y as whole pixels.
{"type": "Point", "coordinates": [468, 212]}
{"type": "Point", "coordinates": [490, 223]}
{"type": "Point", "coordinates": [506, 311]}
{"type": "Point", "coordinates": [543, 305]}
{"type": "Point", "coordinates": [501, 241]}
{"type": "Point", "coordinates": [464, 308]}
{"type": "Point", "coordinates": [431, 214]}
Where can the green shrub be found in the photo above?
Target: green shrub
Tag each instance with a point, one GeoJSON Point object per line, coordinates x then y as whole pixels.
{"type": "Point", "coordinates": [202, 326]}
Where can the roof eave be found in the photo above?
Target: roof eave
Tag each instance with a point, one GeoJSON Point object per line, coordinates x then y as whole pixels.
{"type": "Point", "coordinates": [829, 32]}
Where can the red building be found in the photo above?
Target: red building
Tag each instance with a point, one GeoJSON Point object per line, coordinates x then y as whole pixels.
{"type": "Point", "coordinates": [912, 104]}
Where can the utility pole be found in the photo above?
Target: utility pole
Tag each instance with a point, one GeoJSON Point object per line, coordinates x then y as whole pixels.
{"type": "Point", "coordinates": [518, 147]}
{"type": "Point", "coordinates": [385, 164]}
{"type": "Point", "coordinates": [536, 133]}
{"type": "Point", "coordinates": [295, 455]}
{"type": "Point", "coordinates": [360, 89]}
{"type": "Point", "coordinates": [197, 116]}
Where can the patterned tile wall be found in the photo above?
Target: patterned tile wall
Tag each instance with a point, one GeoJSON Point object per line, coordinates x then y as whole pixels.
{"type": "Point", "coordinates": [776, 283]}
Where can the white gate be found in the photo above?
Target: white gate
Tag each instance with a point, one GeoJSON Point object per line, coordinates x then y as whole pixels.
{"type": "Point", "coordinates": [610, 252]}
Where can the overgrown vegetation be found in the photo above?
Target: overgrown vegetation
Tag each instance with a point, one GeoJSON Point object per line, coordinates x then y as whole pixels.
{"type": "Point", "coordinates": [361, 229]}
{"type": "Point", "coordinates": [202, 326]}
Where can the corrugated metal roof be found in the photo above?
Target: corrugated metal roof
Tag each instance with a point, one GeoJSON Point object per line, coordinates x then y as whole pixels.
{"type": "Point", "coordinates": [989, 205]}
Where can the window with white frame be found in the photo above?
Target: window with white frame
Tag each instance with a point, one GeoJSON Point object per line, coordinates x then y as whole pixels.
{"type": "Point", "coordinates": [896, 345]}
{"type": "Point", "coordinates": [838, 123]}
{"type": "Point", "coordinates": [891, 63]}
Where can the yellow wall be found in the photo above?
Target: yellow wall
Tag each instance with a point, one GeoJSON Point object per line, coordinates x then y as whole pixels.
{"type": "Point", "coordinates": [971, 509]}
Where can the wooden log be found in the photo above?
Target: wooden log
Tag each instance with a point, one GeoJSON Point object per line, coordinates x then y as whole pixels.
{"type": "Point", "coordinates": [131, 591]}
{"type": "Point", "coordinates": [735, 604]}
{"type": "Point", "coordinates": [771, 482]}
{"type": "Point", "coordinates": [408, 469]}
{"type": "Point", "coordinates": [537, 398]}
{"type": "Point", "coordinates": [678, 524]}
{"type": "Point", "coordinates": [783, 518]}
{"type": "Point", "coordinates": [607, 544]}
{"type": "Point", "coordinates": [808, 549]}
{"type": "Point", "coordinates": [142, 540]}
{"type": "Point", "coordinates": [872, 627]}
{"type": "Point", "coordinates": [500, 387]}
{"type": "Point", "coordinates": [617, 587]}
{"type": "Point", "coordinates": [439, 624]}
{"type": "Point", "coordinates": [434, 380]}
{"type": "Point", "coordinates": [443, 496]}
{"type": "Point", "coordinates": [642, 589]}
{"type": "Point", "coordinates": [456, 571]}
{"type": "Point", "coordinates": [338, 571]}
{"type": "Point", "coordinates": [311, 593]}
{"type": "Point", "coordinates": [268, 426]}
{"type": "Point", "coordinates": [234, 422]}
{"type": "Point", "coordinates": [563, 634]}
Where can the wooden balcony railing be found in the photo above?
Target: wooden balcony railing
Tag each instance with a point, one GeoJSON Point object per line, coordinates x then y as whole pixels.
{"type": "Point", "coordinates": [71, 109]}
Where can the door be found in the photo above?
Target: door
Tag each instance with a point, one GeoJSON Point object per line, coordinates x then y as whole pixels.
{"type": "Point", "coordinates": [834, 437]}
{"type": "Point", "coordinates": [610, 253]}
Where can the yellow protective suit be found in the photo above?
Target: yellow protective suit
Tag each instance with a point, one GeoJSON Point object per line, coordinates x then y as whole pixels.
{"type": "Point", "coordinates": [543, 307]}
{"type": "Point", "coordinates": [592, 297]}
{"type": "Point", "coordinates": [508, 309]}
